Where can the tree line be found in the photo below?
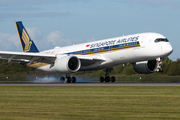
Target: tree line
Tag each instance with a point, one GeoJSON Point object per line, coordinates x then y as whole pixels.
{"type": "Point", "coordinates": [13, 68]}
{"type": "Point", "coordinates": [171, 68]}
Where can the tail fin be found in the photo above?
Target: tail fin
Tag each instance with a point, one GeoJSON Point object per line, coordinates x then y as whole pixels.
{"type": "Point", "coordinates": [26, 42]}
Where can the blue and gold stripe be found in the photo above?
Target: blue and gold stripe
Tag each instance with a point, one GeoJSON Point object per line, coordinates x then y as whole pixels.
{"type": "Point", "coordinates": [106, 49]}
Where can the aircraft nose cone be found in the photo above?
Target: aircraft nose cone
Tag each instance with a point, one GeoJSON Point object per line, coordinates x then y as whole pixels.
{"type": "Point", "coordinates": [169, 49]}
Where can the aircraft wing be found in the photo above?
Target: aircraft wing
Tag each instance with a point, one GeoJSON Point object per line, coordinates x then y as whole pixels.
{"type": "Point", "coordinates": [45, 58]}
{"type": "Point", "coordinates": [31, 57]}
{"type": "Point", "coordinates": [15, 60]}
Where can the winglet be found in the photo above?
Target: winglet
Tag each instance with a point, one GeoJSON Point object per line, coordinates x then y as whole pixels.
{"type": "Point", "coordinates": [26, 42]}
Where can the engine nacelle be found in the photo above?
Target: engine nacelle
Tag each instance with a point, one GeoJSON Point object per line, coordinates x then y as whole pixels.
{"type": "Point", "coordinates": [67, 64]}
{"type": "Point", "coordinates": [146, 67]}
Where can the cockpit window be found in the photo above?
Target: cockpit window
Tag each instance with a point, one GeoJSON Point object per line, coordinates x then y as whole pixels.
{"type": "Point", "coordinates": [161, 40]}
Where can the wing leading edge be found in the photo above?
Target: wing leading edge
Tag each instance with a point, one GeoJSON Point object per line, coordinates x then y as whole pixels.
{"type": "Point", "coordinates": [45, 58]}
{"type": "Point", "coordinates": [31, 57]}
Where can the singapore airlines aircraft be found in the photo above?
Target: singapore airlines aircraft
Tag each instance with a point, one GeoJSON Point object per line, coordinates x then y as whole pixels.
{"type": "Point", "coordinates": [144, 51]}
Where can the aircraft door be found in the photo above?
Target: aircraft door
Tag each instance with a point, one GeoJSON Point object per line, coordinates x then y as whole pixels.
{"type": "Point", "coordinates": [143, 42]}
{"type": "Point", "coordinates": [161, 46]}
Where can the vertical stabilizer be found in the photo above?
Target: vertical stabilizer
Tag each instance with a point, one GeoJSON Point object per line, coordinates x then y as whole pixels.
{"type": "Point", "coordinates": [26, 42]}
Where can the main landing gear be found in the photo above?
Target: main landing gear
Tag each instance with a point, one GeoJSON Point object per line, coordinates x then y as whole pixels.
{"type": "Point", "coordinates": [107, 78]}
{"type": "Point", "coordinates": [68, 79]}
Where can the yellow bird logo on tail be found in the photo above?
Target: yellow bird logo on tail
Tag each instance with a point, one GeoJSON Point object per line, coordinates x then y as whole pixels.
{"type": "Point", "coordinates": [26, 39]}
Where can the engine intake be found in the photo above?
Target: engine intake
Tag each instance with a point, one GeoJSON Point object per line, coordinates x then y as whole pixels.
{"type": "Point", "coordinates": [67, 64]}
{"type": "Point", "coordinates": [146, 67]}
{"type": "Point", "coordinates": [73, 63]}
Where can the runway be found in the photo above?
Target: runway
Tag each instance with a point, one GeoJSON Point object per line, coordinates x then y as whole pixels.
{"type": "Point", "coordinates": [89, 84]}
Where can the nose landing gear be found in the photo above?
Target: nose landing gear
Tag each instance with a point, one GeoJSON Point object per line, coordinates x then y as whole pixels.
{"type": "Point", "coordinates": [159, 65]}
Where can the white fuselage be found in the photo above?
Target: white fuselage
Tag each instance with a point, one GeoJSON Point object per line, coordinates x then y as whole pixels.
{"type": "Point", "coordinates": [115, 51]}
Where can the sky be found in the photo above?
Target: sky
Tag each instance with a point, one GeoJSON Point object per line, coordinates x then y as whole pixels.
{"type": "Point", "coordinates": [52, 23]}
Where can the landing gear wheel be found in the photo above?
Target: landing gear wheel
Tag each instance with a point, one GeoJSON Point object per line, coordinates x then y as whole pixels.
{"type": "Point", "coordinates": [113, 79]}
{"type": "Point", "coordinates": [67, 80]}
{"type": "Point", "coordinates": [107, 79]}
{"type": "Point", "coordinates": [101, 79]}
{"type": "Point", "coordinates": [73, 79]}
{"type": "Point", "coordinates": [62, 79]}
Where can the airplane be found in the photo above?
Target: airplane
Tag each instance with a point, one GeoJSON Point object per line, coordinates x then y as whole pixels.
{"type": "Point", "coordinates": [144, 50]}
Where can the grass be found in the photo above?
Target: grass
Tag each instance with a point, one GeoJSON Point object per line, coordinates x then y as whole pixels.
{"type": "Point", "coordinates": [85, 103]}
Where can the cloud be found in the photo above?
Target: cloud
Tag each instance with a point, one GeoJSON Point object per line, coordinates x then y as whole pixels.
{"type": "Point", "coordinates": [57, 38]}
{"type": "Point", "coordinates": [34, 32]}
{"type": "Point", "coordinates": [49, 41]}
{"type": "Point", "coordinates": [9, 42]}
{"type": "Point", "coordinates": [153, 3]}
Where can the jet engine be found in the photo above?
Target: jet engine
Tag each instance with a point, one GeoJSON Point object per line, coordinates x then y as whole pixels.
{"type": "Point", "coordinates": [146, 67]}
{"type": "Point", "coordinates": [67, 64]}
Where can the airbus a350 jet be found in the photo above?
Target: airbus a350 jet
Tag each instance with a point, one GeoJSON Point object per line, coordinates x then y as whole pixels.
{"type": "Point", "coordinates": [144, 51]}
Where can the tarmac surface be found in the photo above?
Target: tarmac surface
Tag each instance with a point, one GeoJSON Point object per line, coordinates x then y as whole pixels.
{"type": "Point", "coordinates": [89, 84]}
